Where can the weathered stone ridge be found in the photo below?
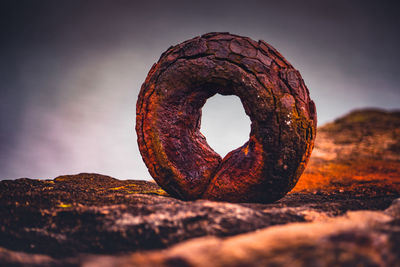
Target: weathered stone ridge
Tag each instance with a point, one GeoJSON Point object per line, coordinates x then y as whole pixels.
{"type": "Point", "coordinates": [58, 222]}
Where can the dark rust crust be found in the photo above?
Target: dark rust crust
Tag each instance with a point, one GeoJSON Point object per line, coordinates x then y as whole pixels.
{"type": "Point", "coordinates": [274, 96]}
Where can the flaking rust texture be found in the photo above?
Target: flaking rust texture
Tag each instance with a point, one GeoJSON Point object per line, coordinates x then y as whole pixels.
{"type": "Point", "coordinates": [274, 96]}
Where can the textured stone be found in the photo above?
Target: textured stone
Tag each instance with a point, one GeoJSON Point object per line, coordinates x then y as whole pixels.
{"type": "Point", "coordinates": [92, 213]}
{"type": "Point", "coordinates": [168, 119]}
{"type": "Point", "coordinates": [361, 238]}
{"type": "Point", "coordinates": [357, 153]}
{"type": "Point", "coordinates": [62, 222]}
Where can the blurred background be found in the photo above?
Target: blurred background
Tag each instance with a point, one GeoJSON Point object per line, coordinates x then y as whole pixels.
{"type": "Point", "coordinates": [70, 72]}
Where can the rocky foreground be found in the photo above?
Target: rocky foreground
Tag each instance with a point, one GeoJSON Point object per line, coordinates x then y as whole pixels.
{"type": "Point", "coordinates": [344, 211]}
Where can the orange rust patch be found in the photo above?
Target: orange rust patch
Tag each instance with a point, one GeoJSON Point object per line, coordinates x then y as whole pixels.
{"type": "Point", "coordinates": [246, 150]}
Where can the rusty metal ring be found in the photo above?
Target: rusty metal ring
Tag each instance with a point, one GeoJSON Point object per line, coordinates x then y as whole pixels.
{"type": "Point", "coordinates": [274, 96]}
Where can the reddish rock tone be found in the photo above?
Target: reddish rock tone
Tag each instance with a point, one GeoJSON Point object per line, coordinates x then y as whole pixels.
{"type": "Point", "coordinates": [358, 238]}
{"type": "Point", "coordinates": [274, 96]}
{"type": "Point", "coordinates": [358, 153]}
{"type": "Point", "coordinates": [66, 221]}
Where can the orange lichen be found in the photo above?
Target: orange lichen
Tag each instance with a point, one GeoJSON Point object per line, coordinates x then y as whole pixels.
{"type": "Point", "coordinates": [350, 176]}
{"type": "Point", "coordinates": [64, 205]}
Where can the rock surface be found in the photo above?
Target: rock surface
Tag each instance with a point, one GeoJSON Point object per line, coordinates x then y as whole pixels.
{"type": "Point", "coordinates": [344, 211]}
{"type": "Point", "coordinates": [357, 152]}
{"type": "Point", "coordinates": [360, 238]}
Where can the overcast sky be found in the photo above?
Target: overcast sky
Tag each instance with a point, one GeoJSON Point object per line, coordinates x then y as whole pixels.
{"type": "Point", "coordinates": [70, 72]}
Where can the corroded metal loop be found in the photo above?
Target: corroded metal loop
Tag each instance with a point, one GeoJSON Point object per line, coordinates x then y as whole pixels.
{"type": "Point", "coordinates": [274, 96]}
